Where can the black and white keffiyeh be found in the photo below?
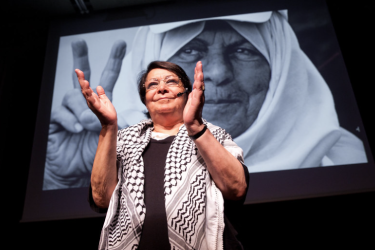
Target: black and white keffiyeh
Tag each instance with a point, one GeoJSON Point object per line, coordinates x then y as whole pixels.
{"type": "Point", "coordinates": [194, 205]}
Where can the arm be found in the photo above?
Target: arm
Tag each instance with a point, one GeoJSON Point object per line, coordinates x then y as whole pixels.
{"type": "Point", "coordinates": [74, 128]}
{"type": "Point", "coordinates": [226, 171]}
{"type": "Point", "coordinates": [104, 171]}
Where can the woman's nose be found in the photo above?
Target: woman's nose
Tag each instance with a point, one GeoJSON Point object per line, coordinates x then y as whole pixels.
{"type": "Point", "coordinates": [162, 87]}
{"type": "Point", "coordinates": [217, 70]}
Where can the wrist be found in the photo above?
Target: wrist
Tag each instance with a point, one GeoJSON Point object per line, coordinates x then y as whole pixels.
{"type": "Point", "coordinates": [194, 127]}
{"type": "Point", "coordinates": [107, 127]}
{"type": "Point", "coordinates": [198, 134]}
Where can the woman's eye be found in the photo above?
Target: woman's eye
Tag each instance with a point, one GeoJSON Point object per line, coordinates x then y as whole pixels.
{"type": "Point", "coordinates": [189, 54]}
{"type": "Point", "coordinates": [190, 51]}
{"type": "Point", "coordinates": [245, 54]}
{"type": "Point", "coordinates": [152, 84]}
{"type": "Point", "coordinates": [172, 82]}
{"type": "Point", "coordinates": [244, 51]}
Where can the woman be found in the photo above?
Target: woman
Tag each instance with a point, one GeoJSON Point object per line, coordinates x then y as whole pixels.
{"type": "Point", "coordinates": [192, 216]}
{"type": "Point", "coordinates": [264, 91]}
{"type": "Point", "coordinates": [267, 93]}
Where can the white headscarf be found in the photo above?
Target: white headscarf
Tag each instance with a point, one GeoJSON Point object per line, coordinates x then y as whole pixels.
{"type": "Point", "coordinates": [297, 126]}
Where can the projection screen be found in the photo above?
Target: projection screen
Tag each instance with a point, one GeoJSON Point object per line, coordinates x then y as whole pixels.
{"type": "Point", "coordinates": [294, 115]}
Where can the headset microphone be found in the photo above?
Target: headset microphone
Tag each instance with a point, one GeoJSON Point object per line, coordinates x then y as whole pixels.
{"type": "Point", "coordinates": [181, 93]}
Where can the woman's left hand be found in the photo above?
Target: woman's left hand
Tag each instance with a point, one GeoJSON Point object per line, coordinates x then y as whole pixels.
{"type": "Point", "coordinates": [226, 171]}
{"type": "Point", "coordinates": [194, 106]}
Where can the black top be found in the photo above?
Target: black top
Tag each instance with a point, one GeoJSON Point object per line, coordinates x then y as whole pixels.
{"type": "Point", "coordinates": [155, 228]}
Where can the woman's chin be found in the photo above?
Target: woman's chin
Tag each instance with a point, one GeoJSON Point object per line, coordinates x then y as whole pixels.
{"type": "Point", "coordinates": [232, 118]}
{"type": "Point", "coordinates": [166, 111]}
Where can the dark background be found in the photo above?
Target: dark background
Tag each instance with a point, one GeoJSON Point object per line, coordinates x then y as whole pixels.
{"type": "Point", "coordinates": [334, 221]}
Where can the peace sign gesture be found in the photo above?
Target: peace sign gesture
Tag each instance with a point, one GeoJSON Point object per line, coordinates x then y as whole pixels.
{"type": "Point", "coordinates": [74, 122]}
{"type": "Point", "coordinates": [74, 114]}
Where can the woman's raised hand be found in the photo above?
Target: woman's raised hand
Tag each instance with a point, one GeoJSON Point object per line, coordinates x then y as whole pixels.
{"type": "Point", "coordinates": [74, 115]}
{"type": "Point", "coordinates": [99, 103]}
{"type": "Point", "coordinates": [194, 106]}
{"type": "Point", "coordinates": [74, 122]}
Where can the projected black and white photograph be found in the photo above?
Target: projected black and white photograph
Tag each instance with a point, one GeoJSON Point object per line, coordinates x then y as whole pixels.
{"type": "Point", "coordinates": [203, 124]}
{"type": "Point", "coordinates": [260, 86]}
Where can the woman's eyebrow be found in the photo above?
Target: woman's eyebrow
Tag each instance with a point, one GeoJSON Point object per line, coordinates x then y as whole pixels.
{"type": "Point", "coordinates": [201, 42]}
{"type": "Point", "coordinates": [239, 43]}
{"type": "Point", "coordinates": [198, 41]}
{"type": "Point", "coordinates": [155, 78]}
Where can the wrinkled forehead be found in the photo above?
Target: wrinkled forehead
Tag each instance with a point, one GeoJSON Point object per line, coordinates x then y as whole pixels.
{"type": "Point", "coordinates": [259, 17]}
{"type": "Point", "coordinates": [175, 39]}
{"type": "Point", "coordinates": [159, 74]}
{"type": "Point", "coordinates": [219, 33]}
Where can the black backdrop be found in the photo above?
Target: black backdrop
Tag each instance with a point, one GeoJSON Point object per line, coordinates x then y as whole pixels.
{"type": "Point", "coordinates": [334, 221]}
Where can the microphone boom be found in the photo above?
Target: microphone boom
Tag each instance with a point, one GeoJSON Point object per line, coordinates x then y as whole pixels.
{"type": "Point", "coordinates": [181, 93]}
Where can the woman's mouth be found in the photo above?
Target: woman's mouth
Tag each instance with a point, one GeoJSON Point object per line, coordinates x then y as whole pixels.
{"type": "Point", "coordinates": [163, 98]}
{"type": "Point", "coordinates": [222, 101]}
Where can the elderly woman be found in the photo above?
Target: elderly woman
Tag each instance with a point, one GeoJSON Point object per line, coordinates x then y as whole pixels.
{"type": "Point", "coordinates": [163, 180]}
{"type": "Point", "coordinates": [267, 93]}
{"type": "Point", "coordinates": [264, 91]}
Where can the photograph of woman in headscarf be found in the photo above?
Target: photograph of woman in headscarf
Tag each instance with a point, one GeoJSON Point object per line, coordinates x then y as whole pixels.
{"type": "Point", "coordinates": [260, 87]}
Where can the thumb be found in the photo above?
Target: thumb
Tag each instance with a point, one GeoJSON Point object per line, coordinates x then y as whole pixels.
{"type": "Point", "coordinates": [101, 93]}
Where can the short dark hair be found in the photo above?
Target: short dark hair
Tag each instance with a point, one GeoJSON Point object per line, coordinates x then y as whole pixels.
{"type": "Point", "coordinates": [172, 67]}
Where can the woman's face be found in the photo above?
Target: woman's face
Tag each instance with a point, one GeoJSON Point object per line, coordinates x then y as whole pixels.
{"type": "Point", "coordinates": [162, 99]}
{"type": "Point", "coordinates": [236, 75]}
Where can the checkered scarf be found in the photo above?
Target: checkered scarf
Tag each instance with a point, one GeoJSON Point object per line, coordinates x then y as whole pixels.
{"type": "Point", "coordinates": [194, 205]}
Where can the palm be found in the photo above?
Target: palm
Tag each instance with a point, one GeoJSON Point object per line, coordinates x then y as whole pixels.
{"type": "Point", "coordinates": [194, 105]}
{"type": "Point", "coordinates": [100, 103]}
{"type": "Point", "coordinates": [105, 110]}
{"type": "Point", "coordinates": [80, 123]}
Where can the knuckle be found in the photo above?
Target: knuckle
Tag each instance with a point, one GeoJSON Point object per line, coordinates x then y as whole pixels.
{"type": "Point", "coordinates": [72, 95]}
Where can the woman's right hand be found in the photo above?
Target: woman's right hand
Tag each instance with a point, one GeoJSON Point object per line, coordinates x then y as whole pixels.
{"type": "Point", "coordinates": [74, 128]}
{"type": "Point", "coordinates": [74, 114]}
{"type": "Point", "coordinates": [99, 103]}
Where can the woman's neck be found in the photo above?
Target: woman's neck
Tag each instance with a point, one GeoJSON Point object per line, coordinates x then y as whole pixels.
{"type": "Point", "coordinates": [167, 126]}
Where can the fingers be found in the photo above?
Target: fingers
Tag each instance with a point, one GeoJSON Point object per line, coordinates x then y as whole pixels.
{"type": "Point", "coordinates": [82, 82]}
{"type": "Point", "coordinates": [113, 67]}
{"type": "Point", "coordinates": [197, 98]}
{"type": "Point", "coordinates": [199, 77]}
{"type": "Point", "coordinates": [85, 85]}
{"type": "Point", "coordinates": [80, 60]}
{"type": "Point", "coordinates": [199, 87]}
{"type": "Point", "coordinates": [100, 91]}
{"type": "Point", "coordinates": [75, 108]}
{"type": "Point", "coordinates": [88, 114]}
{"type": "Point", "coordinates": [75, 103]}
{"type": "Point", "coordinates": [66, 119]}
{"type": "Point", "coordinates": [90, 121]}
